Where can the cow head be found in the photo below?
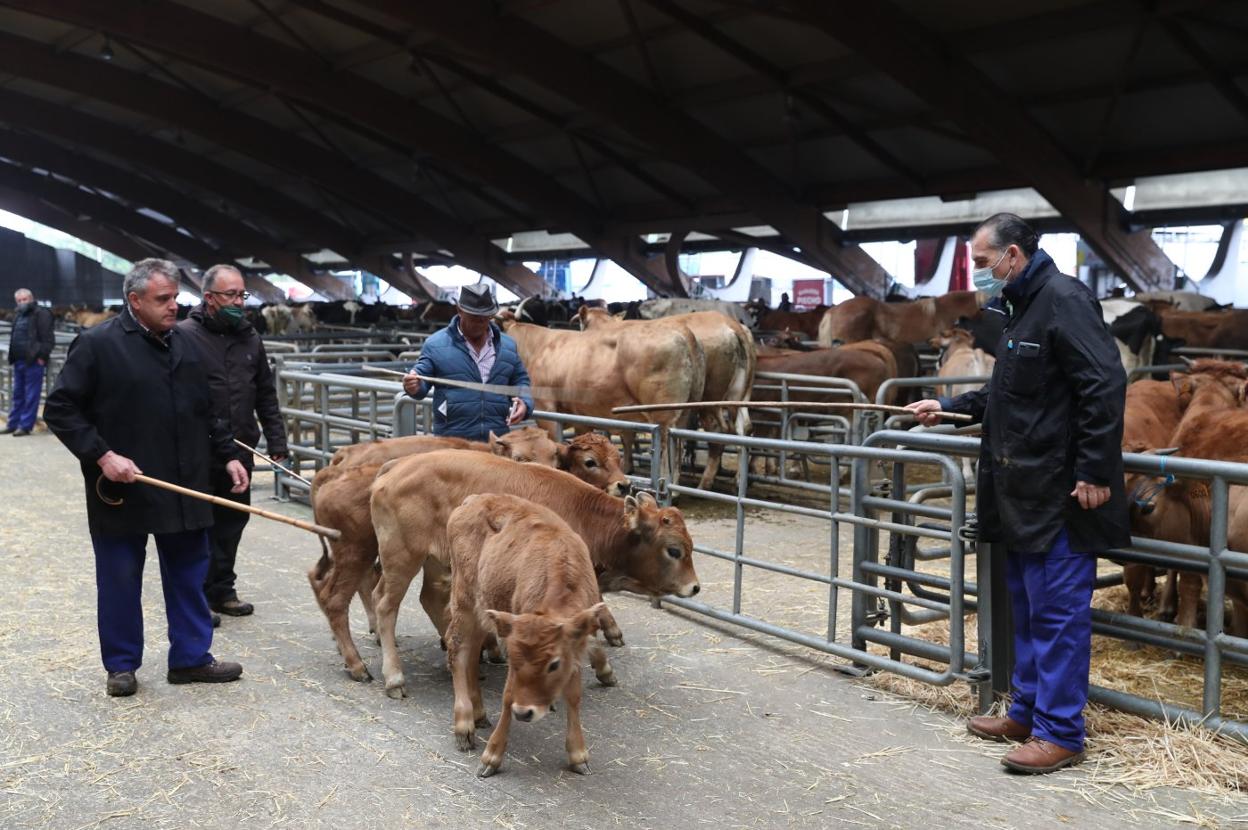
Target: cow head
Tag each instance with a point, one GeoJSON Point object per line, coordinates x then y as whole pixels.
{"type": "Point", "coordinates": [662, 555]}
{"type": "Point", "coordinates": [528, 446]}
{"type": "Point", "coordinates": [544, 653]}
{"type": "Point", "coordinates": [591, 317]}
{"type": "Point", "coordinates": [505, 319]}
{"type": "Point", "coordinates": [594, 460]}
{"type": "Point", "coordinates": [1213, 384]}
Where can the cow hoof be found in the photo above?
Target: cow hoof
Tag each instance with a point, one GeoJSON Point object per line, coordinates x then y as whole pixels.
{"type": "Point", "coordinates": [497, 658]}
{"type": "Point", "coordinates": [465, 742]}
{"type": "Point", "coordinates": [486, 770]}
{"type": "Point", "coordinates": [607, 679]}
{"type": "Point", "coordinates": [483, 722]}
{"type": "Point", "coordinates": [579, 769]}
{"type": "Point", "coordinates": [552, 708]}
{"type": "Point", "coordinates": [360, 675]}
{"type": "Point", "coordinates": [442, 643]}
{"type": "Point", "coordinates": [615, 639]}
{"type": "Point", "coordinates": [396, 692]}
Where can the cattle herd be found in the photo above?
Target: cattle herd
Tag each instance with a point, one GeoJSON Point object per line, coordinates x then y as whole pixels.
{"type": "Point", "coordinates": [517, 539]}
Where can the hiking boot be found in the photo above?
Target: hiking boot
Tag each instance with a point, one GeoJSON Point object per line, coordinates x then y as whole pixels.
{"type": "Point", "coordinates": [998, 729]}
{"type": "Point", "coordinates": [1038, 756]}
{"type": "Point", "coordinates": [234, 607]}
{"type": "Point", "coordinates": [20, 433]}
{"type": "Point", "coordinates": [214, 672]}
{"type": "Point", "coordinates": [121, 684]}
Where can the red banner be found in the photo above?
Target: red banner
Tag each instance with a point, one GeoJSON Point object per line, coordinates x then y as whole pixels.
{"type": "Point", "coordinates": [807, 294]}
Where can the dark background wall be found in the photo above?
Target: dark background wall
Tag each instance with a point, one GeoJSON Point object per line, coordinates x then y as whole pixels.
{"type": "Point", "coordinates": [57, 276]}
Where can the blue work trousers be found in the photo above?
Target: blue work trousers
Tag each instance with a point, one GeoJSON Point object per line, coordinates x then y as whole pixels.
{"type": "Point", "coordinates": [119, 587]}
{"type": "Point", "coordinates": [1051, 593]}
{"type": "Point", "coordinates": [27, 389]}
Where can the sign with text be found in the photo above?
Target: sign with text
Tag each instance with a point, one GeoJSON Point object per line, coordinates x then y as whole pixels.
{"type": "Point", "coordinates": [807, 294]}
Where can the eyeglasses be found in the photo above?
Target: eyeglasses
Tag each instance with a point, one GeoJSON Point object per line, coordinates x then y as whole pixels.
{"type": "Point", "coordinates": [232, 295]}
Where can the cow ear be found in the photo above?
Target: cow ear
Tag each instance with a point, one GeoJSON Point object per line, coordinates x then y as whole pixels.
{"type": "Point", "coordinates": [563, 456]}
{"type": "Point", "coordinates": [502, 622]}
{"type": "Point", "coordinates": [1182, 384]}
{"type": "Point", "coordinates": [585, 623]}
{"type": "Point", "coordinates": [632, 512]}
{"type": "Point", "coordinates": [499, 446]}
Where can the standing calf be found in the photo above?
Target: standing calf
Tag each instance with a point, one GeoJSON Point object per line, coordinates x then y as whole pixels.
{"type": "Point", "coordinates": [519, 571]}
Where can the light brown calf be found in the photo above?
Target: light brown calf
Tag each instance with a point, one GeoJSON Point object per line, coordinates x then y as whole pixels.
{"type": "Point", "coordinates": [863, 318]}
{"type": "Point", "coordinates": [519, 571]}
{"type": "Point", "coordinates": [340, 499]}
{"type": "Point", "coordinates": [635, 544]}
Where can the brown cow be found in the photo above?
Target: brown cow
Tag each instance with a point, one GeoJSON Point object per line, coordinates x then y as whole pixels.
{"type": "Point", "coordinates": [1207, 329]}
{"type": "Point", "coordinates": [1152, 414]}
{"type": "Point", "coordinates": [635, 544]}
{"type": "Point", "coordinates": [730, 360]}
{"type": "Point", "coordinates": [804, 322]}
{"type": "Point", "coordinates": [1215, 426]}
{"type": "Point", "coordinates": [519, 571]}
{"type": "Point", "coordinates": [867, 369]}
{"type": "Point", "coordinates": [340, 499]}
{"type": "Point", "coordinates": [863, 318]}
{"type": "Point", "coordinates": [590, 372]}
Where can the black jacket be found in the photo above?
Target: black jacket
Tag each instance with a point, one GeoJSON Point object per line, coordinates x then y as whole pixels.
{"type": "Point", "coordinates": [1052, 414]}
{"type": "Point", "coordinates": [239, 379]}
{"type": "Point", "coordinates": [39, 338]}
{"type": "Point", "coordinates": [122, 389]}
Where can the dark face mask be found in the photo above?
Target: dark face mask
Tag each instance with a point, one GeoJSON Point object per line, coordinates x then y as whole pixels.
{"type": "Point", "coordinates": [230, 316]}
{"type": "Point", "coordinates": [24, 308]}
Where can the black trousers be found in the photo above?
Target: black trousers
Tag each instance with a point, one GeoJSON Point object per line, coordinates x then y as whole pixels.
{"type": "Point", "coordinates": [223, 538]}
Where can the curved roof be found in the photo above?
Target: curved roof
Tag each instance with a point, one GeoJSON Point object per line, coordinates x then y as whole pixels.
{"type": "Point", "coordinates": [387, 133]}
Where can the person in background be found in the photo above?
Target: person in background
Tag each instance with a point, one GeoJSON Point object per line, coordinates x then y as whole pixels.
{"type": "Point", "coordinates": [132, 398]}
{"type": "Point", "coordinates": [242, 388]}
{"type": "Point", "coordinates": [472, 349]}
{"type": "Point", "coordinates": [1050, 483]}
{"type": "Point", "coordinates": [30, 346]}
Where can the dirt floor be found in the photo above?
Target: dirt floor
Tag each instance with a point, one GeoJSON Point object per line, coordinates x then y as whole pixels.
{"type": "Point", "coordinates": [709, 725]}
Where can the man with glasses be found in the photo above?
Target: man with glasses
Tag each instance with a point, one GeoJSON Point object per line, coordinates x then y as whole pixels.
{"type": "Point", "coordinates": [241, 385]}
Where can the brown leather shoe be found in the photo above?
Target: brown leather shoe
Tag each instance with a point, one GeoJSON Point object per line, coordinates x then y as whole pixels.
{"type": "Point", "coordinates": [214, 672]}
{"type": "Point", "coordinates": [1038, 756]}
{"type": "Point", "coordinates": [234, 607]}
{"type": "Point", "coordinates": [997, 729]}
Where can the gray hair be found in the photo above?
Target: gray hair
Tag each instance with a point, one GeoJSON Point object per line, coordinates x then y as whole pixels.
{"type": "Point", "coordinates": [210, 276]}
{"type": "Point", "coordinates": [19, 292]}
{"type": "Point", "coordinates": [1006, 229]}
{"type": "Point", "coordinates": [143, 271]}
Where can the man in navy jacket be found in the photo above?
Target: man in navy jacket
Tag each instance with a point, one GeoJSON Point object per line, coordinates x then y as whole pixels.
{"type": "Point", "coordinates": [474, 350]}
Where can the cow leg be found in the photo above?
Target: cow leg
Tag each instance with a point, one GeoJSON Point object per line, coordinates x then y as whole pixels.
{"type": "Point", "coordinates": [609, 627]}
{"type": "Point", "coordinates": [602, 666]}
{"type": "Point", "coordinates": [578, 755]}
{"type": "Point", "coordinates": [492, 758]}
{"type": "Point", "coordinates": [463, 642]}
{"type": "Point", "coordinates": [1190, 585]}
{"type": "Point", "coordinates": [1137, 578]}
{"type": "Point", "coordinates": [368, 584]}
{"type": "Point", "coordinates": [713, 421]}
{"type": "Point", "coordinates": [396, 578]}
{"type": "Point", "coordinates": [1170, 596]}
{"type": "Point", "coordinates": [626, 444]}
{"type": "Point", "coordinates": [333, 589]}
{"type": "Point", "coordinates": [434, 594]}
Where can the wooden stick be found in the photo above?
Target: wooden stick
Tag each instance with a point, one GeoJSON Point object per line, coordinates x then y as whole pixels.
{"type": "Point", "coordinates": [511, 391]}
{"type": "Point", "coordinates": [264, 457]}
{"type": "Point", "coordinates": [879, 407]}
{"type": "Point", "coordinates": [243, 508]}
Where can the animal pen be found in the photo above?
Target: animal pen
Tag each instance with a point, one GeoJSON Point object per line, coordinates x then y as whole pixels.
{"type": "Point", "coordinates": [898, 587]}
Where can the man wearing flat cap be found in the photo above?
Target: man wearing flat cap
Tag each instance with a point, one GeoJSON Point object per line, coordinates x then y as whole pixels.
{"type": "Point", "coordinates": [472, 349]}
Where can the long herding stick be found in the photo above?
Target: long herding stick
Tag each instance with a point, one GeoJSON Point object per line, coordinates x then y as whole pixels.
{"type": "Point", "coordinates": [512, 391]}
{"type": "Point", "coordinates": [264, 457]}
{"type": "Point", "coordinates": [878, 407]}
{"type": "Point", "coordinates": [220, 502]}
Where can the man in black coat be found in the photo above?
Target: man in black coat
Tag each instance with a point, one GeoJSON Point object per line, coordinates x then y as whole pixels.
{"type": "Point", "coordinates": [241, 385]}
{"type": "Point", "coordinates": [1050, 481]}
{"type": "Point", "coordinates": [30, 345]}
{"type": "Point", "coordinates": [132, 398]}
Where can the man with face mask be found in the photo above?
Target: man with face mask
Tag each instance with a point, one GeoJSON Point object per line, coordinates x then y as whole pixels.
{"type": "Point", "coordinates": [30, 344]}
{"type": "Point", "coordinates": [241, 384]}
{"type": "Point", "coordinates": [1050, 483]}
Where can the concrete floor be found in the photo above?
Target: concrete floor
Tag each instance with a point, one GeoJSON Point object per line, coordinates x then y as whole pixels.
{"type": "Point", "coordinates": [707, 727]}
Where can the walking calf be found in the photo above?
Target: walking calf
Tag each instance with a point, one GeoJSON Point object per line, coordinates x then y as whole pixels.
{"type": "Point", "coordinates": [519, 571]}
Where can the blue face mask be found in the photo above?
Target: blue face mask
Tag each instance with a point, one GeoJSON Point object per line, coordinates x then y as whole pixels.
{"type": "Point", "coordinates": [986, 281]}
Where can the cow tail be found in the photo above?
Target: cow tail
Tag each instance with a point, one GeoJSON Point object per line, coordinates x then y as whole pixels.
{"type": "Point", "coordinates": [741, 386]}
{"type": "Point", "coordinates": [324, 563]}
